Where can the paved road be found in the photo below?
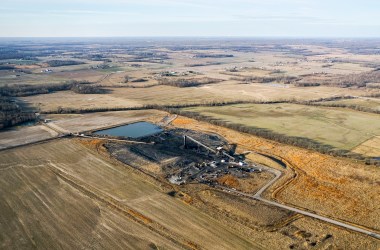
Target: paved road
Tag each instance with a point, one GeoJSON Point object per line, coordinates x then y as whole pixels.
{"type": "Point", "coordinates": [257, 196]}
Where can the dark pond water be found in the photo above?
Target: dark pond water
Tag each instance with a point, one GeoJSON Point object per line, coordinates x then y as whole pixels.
{"type": "Point", "coordinates": [134, 130]}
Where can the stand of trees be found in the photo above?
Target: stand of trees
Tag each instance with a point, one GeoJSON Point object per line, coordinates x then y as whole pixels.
{"type": "Point", "coordinates": [58, 63]}
{"type": "Point", "coordinates": [87, 89]}
{"type": "Point", "coordinates": [28, 90]}
{"type": "Point", "coordinates": [184, 83]}
{"type": "Point", "coordinates": [267, 79]}
{"type": "Point", "coordinates": [12, 114]}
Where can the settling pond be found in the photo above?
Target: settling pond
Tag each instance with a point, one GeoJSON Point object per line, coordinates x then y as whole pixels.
{"type": "Point", "coordinates": [134, 130]}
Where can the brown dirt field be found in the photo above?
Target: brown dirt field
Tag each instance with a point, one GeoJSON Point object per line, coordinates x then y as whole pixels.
{"type": "Point", "coordinates": [335, 187]}
{"type": "Point", "coordinates": [68, 99]}
{"type": "Point", "coordinates": [85, 74]}
{"type": "Point", "coordinates": [25, 135]}
{"type": "Point", "coordinates": [58, 189]}
{"type": "Point", "coordinates": [39, 210]}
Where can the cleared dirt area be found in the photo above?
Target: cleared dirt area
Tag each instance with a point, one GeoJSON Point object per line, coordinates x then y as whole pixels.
{"type": "Point", "coordinates": [68, 173]}
{"type": "Point", "coordinates": [92, 121]}
{"type": "Point", "coordinates": [342, 129]}
{"type": "Point", "coordinates": [330, 186]}
{"type": "Point", "coordinates": [25, 135]}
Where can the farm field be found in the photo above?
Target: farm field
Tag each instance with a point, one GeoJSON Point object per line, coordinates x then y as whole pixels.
{"type": "Point", "coordinates": [342, 129]}
{"type": "Point", "coordinates": [69, 100]}
{"type": "Point", "coordinates": [167, 95]}
{"type": "Point", "coordinates": [105, 201]}
{"type": "Point", "coordinates": [72, 174]}
{"type": "Point", "coordinates": [193, 185]}
{"type": "Point", "coordinates": [24, 135]}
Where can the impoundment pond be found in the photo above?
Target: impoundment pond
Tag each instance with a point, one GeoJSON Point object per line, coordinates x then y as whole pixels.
{"type": "Point", "coordinates": [134, 130]}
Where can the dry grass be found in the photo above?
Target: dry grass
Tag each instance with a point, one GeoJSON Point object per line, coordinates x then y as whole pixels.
{"type": "Point", "coordinates": [340, 128]}
{"type": "Point", "coordinates": [332, 186]}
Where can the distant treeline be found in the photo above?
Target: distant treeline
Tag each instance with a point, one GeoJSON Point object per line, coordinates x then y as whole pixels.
{"type": "Point", "coordinates": [185, 105]}
{"type": "Point", "coordinates": [306, 84]}
{"type": "Point", "coordinates": [58, 63]}
{"type": "Point", "coordinates": [7, 67]}
{"type": "Point", "coordinates": [87, 89]}
{"type": "Point", "coordinates": [82, 87]}
{"type": "Point", "coordinates": [361, 80]}
{"type": "Point", "coordinates": [183, 83]}
{"type": "Point", "coordinates": [213, 55]}
{"type": "Point", "coordinates": [358, 80]}
{"type": "Point", "coordinates": [202, 64]}
{"type": "Point", "coordinates": [267, 79]}
{"type": "Point", "coordinates": [28, 90]}
{"type": "Point", "coordinates": [12, 114]}
{"type": "Point", "coordinates": [6, 54]}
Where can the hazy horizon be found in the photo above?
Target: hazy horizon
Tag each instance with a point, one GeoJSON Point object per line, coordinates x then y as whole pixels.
{"type": "Point", "coordinates": [190, 18]}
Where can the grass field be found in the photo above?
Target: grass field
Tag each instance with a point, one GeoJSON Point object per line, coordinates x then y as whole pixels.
{"type": "Point", "coordinates": [343, 129]}
{"type": "Point", "coordinates": [369, 103]}
{"type": "Point", "coordinates": [62, 195]}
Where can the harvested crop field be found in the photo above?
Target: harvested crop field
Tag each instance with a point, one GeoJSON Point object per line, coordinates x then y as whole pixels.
{"type": "Point", "coordinates": [106, 205]}
{"type": "Point", "coordinates": [369, 148]}
{"type": "Point", "coordinates": [25, 135]}
{"type": "Point", "coordinates": [342, 129]}
{"type": "Point", "coordinates": [70, 100]}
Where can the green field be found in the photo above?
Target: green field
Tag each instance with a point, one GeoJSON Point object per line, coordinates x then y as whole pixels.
{"type": "Point", "coordinates": [340, 128]}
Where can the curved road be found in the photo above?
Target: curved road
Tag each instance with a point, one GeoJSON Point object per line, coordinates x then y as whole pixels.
{"type": "Point", "coordinates": [277, 173]}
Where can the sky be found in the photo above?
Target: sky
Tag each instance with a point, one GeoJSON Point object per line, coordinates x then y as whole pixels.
{"type": "Point", "coordinates": [233, 18]}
